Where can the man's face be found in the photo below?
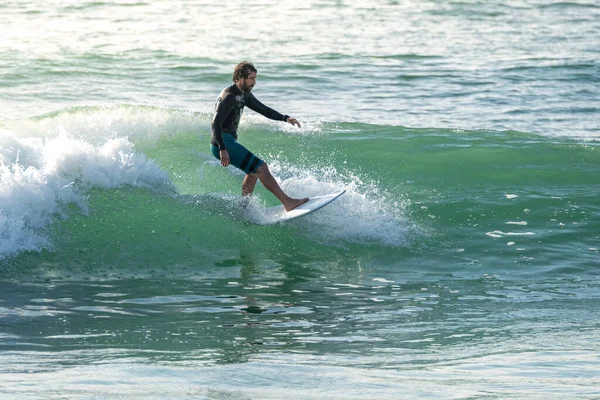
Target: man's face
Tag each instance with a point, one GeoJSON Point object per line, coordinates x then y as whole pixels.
{"type": "Point", "coordinates": [249, 82]}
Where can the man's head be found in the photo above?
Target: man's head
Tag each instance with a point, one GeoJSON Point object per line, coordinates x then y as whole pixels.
{"type": "Point", "coordinates": [244, 76]}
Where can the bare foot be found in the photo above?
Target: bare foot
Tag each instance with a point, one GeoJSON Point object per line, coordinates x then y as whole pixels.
{"type": "Point", "coordinates": [293, 203]}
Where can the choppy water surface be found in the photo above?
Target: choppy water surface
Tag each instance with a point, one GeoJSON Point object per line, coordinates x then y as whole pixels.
{"type": "Point", "coordinates": [462, 262]}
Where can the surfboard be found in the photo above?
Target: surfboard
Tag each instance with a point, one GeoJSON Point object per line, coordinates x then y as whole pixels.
{"type": "Point", "coordinates": [277, 214]}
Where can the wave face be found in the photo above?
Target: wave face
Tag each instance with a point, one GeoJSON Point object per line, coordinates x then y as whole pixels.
{"type": "Point", "coordinates": [140, 180]}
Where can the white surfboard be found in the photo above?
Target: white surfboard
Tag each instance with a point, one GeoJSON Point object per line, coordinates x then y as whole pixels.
{"type": "Point", "coordinates": [277, 214]}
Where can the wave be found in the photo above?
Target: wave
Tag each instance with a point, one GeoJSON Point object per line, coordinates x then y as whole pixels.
{"type": "Point", "coordinates": [136, 185]}
{"type": "Point", "coordinates": [48, 164]}
{"type": "Point", "coordinates": [53, 162]}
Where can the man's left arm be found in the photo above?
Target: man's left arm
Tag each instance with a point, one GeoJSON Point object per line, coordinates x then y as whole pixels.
{"type": "Point", "coordinates": [255, 105]}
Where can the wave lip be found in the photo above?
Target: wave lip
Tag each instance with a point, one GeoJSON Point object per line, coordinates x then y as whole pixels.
{"type": "Point", "coordinates": [40, 177]}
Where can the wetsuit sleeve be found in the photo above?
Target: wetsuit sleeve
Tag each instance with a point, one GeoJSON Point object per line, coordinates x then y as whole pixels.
{"type": "Point", "coordinates": [255, 105]}
{"type": "Point", "coordinates": [223, 108]}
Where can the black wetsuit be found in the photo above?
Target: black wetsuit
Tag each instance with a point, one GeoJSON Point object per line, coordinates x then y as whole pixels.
{"type": "Point", "coordinates": [228, 112]}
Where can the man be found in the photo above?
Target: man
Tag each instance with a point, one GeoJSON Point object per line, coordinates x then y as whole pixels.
{"type": "Point", "coordinates": [224, 145]}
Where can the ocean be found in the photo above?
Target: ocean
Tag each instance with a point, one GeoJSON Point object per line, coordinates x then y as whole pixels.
{"type": "Point", "coordinates": [463, 262]}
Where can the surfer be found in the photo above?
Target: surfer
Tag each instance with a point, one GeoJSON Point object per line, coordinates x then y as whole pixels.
{"type": "Point", "coordinates": [224, 145]}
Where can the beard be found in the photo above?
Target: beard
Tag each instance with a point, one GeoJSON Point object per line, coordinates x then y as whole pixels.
{"type": "Point", "coordinates": [247, 88]}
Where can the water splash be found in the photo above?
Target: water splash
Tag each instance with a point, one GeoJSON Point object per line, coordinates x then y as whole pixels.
{"type": "Point", "coordinates": [41, 176]}
{"type": "Point", "coordinates": [364, 214]}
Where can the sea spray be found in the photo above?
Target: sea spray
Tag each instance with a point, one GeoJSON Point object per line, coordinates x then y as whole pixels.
{"type": "Point", "coordinates": [40, 177]}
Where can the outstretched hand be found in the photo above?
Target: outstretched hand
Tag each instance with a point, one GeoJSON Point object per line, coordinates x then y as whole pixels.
{"type": "Point", "coordinates": [294, 121]}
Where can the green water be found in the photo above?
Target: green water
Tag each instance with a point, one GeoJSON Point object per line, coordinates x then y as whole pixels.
{"type": "Point", "coordinates": [461, 263]}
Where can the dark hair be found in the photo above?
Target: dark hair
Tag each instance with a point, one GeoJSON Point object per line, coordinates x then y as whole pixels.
{"type": "Point", "coordinates": [242, 70]}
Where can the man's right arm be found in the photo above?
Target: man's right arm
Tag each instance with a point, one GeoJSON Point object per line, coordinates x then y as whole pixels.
{"type": "Point", "coordinates": [224, 106]}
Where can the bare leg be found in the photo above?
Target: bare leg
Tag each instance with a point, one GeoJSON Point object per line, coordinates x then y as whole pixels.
{"type": "Point", "coordinates": [248, 184]}
{"type": "Point", "coordinates": [271, 184]}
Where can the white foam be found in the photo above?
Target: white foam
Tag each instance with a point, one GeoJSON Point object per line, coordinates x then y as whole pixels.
{"type": "Point", "coordinates": [40, 176]}
{"type": "Point", "coordinates": [498, 234]}
{"type": "Point", "coordinates": [96, 124]}
{"type": "Point", "coordinates": [364, 214]}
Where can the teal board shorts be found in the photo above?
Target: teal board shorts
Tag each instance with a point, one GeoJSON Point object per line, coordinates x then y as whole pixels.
{"type": "Point", "coordinates": [239, 156]}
